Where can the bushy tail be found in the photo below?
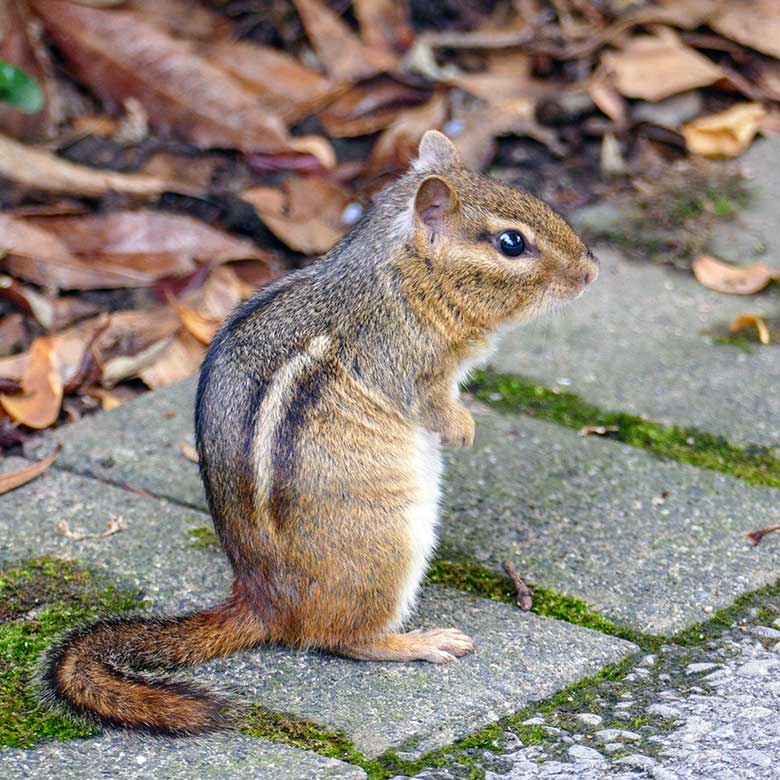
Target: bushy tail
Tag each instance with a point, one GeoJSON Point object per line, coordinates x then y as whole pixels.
{"type": "Point", "coordinates": [93, 670]}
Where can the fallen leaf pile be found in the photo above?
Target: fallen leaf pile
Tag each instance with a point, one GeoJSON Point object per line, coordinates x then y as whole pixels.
{"type": "Point", "coordinates": [177, 154]}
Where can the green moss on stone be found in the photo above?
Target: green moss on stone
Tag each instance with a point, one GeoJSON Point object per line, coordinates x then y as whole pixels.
{"type": "Point", "coordinates": [672, 219]}
{"type": "Point", "coordinates": [760, 607]}
{"type": "Point", "coordinates": [472, 577]}
{"type": "Point", "coordinates": [482, 581]}
{"type": "Point", "coordinates": [307, 735]}
{"type": "Point", "coordinates": [203, 537]}
{"type": "Point", "coordinates": [38, 599]}
{"type": "Point", "coordinates": [756, 465]}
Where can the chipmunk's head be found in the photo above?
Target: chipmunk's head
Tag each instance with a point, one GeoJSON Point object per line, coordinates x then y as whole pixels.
{"type": "Point", "coordinates": [497, 250]}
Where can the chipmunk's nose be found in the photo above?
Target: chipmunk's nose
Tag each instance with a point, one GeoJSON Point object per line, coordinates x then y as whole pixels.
{"type": "Point", "coordinates": [592, 273]}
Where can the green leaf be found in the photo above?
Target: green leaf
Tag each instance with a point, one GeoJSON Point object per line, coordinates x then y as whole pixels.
{"type": "Point", "coordinates": [19, 89]}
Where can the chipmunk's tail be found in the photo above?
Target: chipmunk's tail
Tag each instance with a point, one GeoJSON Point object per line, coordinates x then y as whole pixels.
{"type": "Point", "coordinates": [92, 670]}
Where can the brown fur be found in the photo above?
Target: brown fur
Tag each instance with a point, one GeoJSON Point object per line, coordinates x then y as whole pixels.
{"type": "Point", "coordinates": [309, 415]}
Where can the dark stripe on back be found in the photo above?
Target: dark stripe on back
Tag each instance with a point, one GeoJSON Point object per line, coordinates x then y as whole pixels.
{"type": "Point", "coordinates": [285, 446]}
{"type": "Point", "coordinates": [228, 506]}
{"type": "Point", "coordinates": [231, 325]}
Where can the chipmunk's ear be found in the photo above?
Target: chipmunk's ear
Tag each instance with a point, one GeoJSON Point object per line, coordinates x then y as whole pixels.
{"type": "Point", "coordinates": [436, 204]}
{"type": "Point", "coordinates": [436, 151]}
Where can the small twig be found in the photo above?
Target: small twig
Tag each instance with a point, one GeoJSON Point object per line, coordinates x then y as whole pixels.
{"type": "Point", "coordinates": [114, 526]}
{"type": "Point", "coordinates": [756, 536]}
{"type": "Point", "coordinates": [89, 369]}
{"type": "Point", "coordinates": [524, 593]}
{"type": "Point", "coordinates": [10, 386]}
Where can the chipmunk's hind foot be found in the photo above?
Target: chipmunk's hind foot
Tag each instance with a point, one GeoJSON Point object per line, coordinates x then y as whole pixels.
{"type": "Point", "coordinates": [438, 645]}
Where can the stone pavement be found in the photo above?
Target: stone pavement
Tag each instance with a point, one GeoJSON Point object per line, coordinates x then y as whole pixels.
{"type": "Point", "coordinates": [654, 546]}
{"type": "Point", "coordinates": [643, 341]}
{"type": "Point", "coordinates": [137, 758]}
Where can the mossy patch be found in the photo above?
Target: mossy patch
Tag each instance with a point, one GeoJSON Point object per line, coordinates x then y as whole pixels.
{"type": "Point", "coordinates": [756, 465]}
{"type": "Point", "coordinates": [203, 537]}
{"type": "Point", "coordinates": [482, 581]}
{"type": "Point", "coordinates": [277, 727]}
{"type": "Point", "coordinates": [671, 218]}
{"type": "Point", "coordinates": [760, 607]}
{"type": "Point", "coordinates": [38, 599]}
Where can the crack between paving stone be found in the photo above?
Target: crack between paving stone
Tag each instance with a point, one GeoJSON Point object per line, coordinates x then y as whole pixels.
{"type": "Point", "coordinates": [138, 491]}
{"type": "Point", "coordinates": [754, 464]}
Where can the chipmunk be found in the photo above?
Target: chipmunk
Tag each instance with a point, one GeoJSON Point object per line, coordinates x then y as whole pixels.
{"type": "Point", "coordinates": [322, 404]}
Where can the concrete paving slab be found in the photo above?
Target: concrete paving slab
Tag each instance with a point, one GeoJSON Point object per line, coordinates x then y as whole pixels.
{"type": "Point", "coordinates": [138, 443]}
{"type": "Point", "coordinates": [416, 706]}
{"type": "Point", "coordinates": [154, 552]}
{"type": "Point", "coordinates": [652, 544]}
{"type": "Point", "coordinates": [641, 341]}
{"type": "Point", "coordinates": [755, 232]}
{"type": "Point", "coordinates": [129, 757]}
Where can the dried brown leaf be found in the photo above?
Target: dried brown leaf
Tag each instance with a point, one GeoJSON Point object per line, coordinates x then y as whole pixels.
{"type": "Point", "coordinates": [193, 173]}
{"type": "Point", "coordinates": [306, 213]}
{"type": "Point", "coordinates": [109, 399]}
{"type": "Point", "coordinates": [12, 371]}
{"type": "Point", "coordinates": [27, 300]}
{"type": "Point", "coordinates": [182, 18]}
{"type": "Point", "coordinates": [182, 358]}
{"type": "Point", "coordinates": [141, 247]}
{"type": "Point", "coordinates": [189, 452]}
{"type": "Point", "coordinates": [201, 312]}
{"type": "Point", "coordinates": [489, 36]}
{"type": "Point", "coordinates": [42, 170]}
{"type": "Point", "coordinates": [133, 341]}
{"type": "Point", "coordinates": [654, 67]}
{"type": "Point", "coordinates": [120, 55]}
{"type": "Point", "coordinates": [370, 107]}
{"type": "Point", "coordinates": [13, 334]}
{"type": "Point", "coordinates": [39, 403]}
{"type": "Point", "coordinates": [40, 257]}
{"type": "Point", "coordinates": [16, 479]}
{"type": "Point", "coordinates": [397, 145]}
{"type": "Point", "coordinates": [100, 125]}
{"type": "Point", "coordinates": [338, 48]}
{"type": "Point", "coordinates": [725, 134]}
{"type": "Point", "coordinates": [220, 294]}
{"type": "Point", "coordinates": [602, 90]}
{"type": "Point", "coordinates": [121, 342]}
{"type": "Point", "coordinates": [68, 348]}
{"type": "Point", "coordinates": [744, 321]}
{"type": "Point", "coordinates": [754, 23]}
{"type": "Point", "coordinates": [202, 328]}
{"type": "Point", "coordinates": [734, 279]}
{"type": "Point", "coordinates": [71, 309]}
{"type": "Point", "coordinates": [507, 75]}
{"type": "Point", "coordinates": [282, 85]}
{"type": "Point", "coordinates": [385, 24]}
{"type": "Point", "coordinates": [124, 367]}
{"type": "Point", "coordinates": [474, 132]}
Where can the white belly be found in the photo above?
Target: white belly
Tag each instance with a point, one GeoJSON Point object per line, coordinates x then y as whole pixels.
{"type": "Point", "coordinates": [422, 518]}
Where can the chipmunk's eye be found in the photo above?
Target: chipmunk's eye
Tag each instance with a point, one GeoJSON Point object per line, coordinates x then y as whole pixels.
{"type": "Point", "coordinates": [510, 243]}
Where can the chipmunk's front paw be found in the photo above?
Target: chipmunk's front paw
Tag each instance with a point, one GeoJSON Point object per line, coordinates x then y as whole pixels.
{"type": "Point", "coordinates": [458, 429]}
